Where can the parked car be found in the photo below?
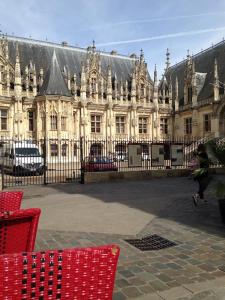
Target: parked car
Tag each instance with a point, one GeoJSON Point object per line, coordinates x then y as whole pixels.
{"type": "Point", "coordinates": [97, 164]}
{"type": "Point", "coordinates": [21, 158]}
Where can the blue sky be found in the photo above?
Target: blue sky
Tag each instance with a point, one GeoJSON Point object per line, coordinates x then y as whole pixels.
{"type": "Point", "coordinates": [126, 26]}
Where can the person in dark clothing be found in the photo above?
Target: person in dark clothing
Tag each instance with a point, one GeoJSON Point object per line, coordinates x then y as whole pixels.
{"type": "Point", "coordinates": [202, 173]}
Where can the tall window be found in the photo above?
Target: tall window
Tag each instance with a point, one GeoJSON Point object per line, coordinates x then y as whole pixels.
{"type": "Point", "coordinates": [3, 119]}
{"type": "Point", "coordinates": [64, 149]}
{"type": "Point", "coordinates": [63, 123]}
{"type": "Point", "coordinates": [143, 125]}
{"type": "Point", "coordinates": [120, 124]}
{"type": "Point", "coordinates": [207, 123]}
{"type": "Point", "coordinates": [142, 89]}
{"type": "Point", "coordinates": [93, 85]}
{"type": "Point", "coordinates": [188, 126]}
{"type": "Point", "coordinates": [95, 124]}
{"type": "Point", "coordinates": [54, 149]}
{"type": "Point", "coordinates": [164, 125]}
{"type": "Point", "coordinates": [31, 120]}
{"type": "Point", "coordinates": [53, 119]}
{"type": "Point", "coordinates": [189, 94]}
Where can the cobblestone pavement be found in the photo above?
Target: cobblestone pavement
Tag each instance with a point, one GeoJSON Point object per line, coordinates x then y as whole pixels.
{"type": "Point", "coordinates": [193, 269]}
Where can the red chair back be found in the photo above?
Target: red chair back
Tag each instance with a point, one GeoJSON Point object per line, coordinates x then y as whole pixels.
{"type": "Point", "coordinates": [18, 230]}
{"type": "Point", "coordinates": [71, 274]}
{"type": "Point", "coordinates": [10, 201]}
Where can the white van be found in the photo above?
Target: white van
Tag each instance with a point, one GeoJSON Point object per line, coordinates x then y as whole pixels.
{"type": "Point", "coordinates": [21, 158]}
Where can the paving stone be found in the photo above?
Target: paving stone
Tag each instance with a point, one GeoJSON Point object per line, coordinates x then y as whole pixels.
{"type": "Point", "coordinates": [146, 289]}
{"type": "Point", "coordinates": [173, 266]}
{"type": "Point", "coordinates": [158, 285]}
{"type": "Point", "coordinates": [126, 273]}
{"type": "Point", "coordinates": [164, 278]}
{"type": "Point", "coordinates": [202, 295]}
{"type": "Point", "coordinates": [174, 293]}
{"type": "Point", "coordinates": [119, 296]}
{"type": "Point", "coordinates": [122, 283]}
{"type": "Point", "coordinates": [207, 268]}
{"type": "Point", "coordinates": [135, 269]}
{"type": "Point", "coordinates": [135, 281]}
{"type": "Point", "coordinates": [131, 292]}
{"type": "Point", "coordinates": [146, 276]}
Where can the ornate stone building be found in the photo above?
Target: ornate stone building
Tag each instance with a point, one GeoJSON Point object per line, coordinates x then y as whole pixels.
{"type": "Point", "coordinates": [64, 92]}
{"type": "Point", "coordinates": [195, 87]}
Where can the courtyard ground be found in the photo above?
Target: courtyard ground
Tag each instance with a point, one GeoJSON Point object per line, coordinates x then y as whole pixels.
{"type": "Point", "coordinates": [75, 215]}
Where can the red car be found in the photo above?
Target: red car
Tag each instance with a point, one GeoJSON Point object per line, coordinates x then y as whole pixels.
{"type": "Point", "coordinates": [99, 164]}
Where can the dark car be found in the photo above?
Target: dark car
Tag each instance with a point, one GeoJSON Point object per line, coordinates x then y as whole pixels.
{"type": "Point", "coordinates": [97, 164]}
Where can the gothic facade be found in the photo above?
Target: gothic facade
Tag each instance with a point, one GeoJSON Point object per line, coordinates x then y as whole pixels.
{"type": "Point", "coordinates": [195, 87]}
{"type": "Point", "coordinates": [62, 92]}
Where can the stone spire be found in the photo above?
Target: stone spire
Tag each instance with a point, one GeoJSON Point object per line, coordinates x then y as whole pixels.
{"type": "Point", "coordinates": [27, 80]}
{"type": "Point", "coordinates": [109, 81]}
{"type": "Point", "coordinates": [155, 75]}
{"type": "Point", "coordinates": [17, 68]}
{"type": "Point", "coordinates": [176, 95]}
{"type": "Point", "coordinates": [6, 50]}
{"type": "Point", "coordinates": [74, 83]}
{"type": "Point", "coordinates": [41, 77]}
{"type": "Point", "coordinates": [216, 83]}
{"type": "Point", "coordinates": [93, 46]}
{"type": "Point", "coordinates": [34, 81]}
{"type": "Point", "coordinates": [167, 59]}
{"type": "Point", "coordinates": [115, 86]}
{"type": "Point", "coordinates": [141, 55]}
{"type": "Point", "coordinates": [155, 91]}
{"type": "Point", "coordinates": [83, 83]}
{"type": "Point", "coordinates": [133, 87]}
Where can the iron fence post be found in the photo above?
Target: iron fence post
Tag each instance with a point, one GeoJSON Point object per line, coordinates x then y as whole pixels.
{"type": "Point", "coordinates": [81, 161]}
{"type": "Point", "coordinates": [45, 164]}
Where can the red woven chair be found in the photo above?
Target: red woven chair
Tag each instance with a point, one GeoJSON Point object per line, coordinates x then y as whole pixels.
{"type": "Point", "coordinates": [72, 274]}
{"type": "Point", "coordinates": [10, 201]}
{"type": "Point", "coordinates": [18, 230]}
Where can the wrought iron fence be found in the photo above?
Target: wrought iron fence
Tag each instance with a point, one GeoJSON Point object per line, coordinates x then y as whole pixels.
{"type": "Point", "coordinates": [26, 162]}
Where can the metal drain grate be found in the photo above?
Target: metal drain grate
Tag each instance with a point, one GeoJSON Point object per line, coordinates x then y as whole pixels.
{"type": "Point", "coordinates": [151, 242]}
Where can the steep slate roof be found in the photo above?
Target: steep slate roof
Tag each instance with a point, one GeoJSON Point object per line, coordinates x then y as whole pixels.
{"type": "Point", "coordinates": [204, 63]}
{"type": "Point", "coordinates": [54, 83]}
{"type": "Point", "coordinates": [40, 53]}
